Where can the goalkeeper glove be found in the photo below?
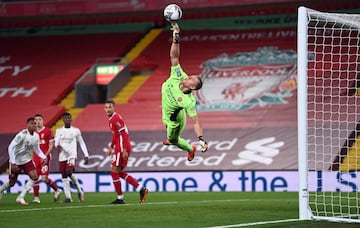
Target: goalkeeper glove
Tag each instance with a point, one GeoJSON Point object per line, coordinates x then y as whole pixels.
{"type": "Point", "coordinates": [203, 144]}
{"type": "Point", "coordinates": [176, 32]}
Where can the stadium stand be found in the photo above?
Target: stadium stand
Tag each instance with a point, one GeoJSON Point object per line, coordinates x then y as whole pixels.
{"type": "Point", "coordinates": [49, 67]}
{"type": "Point", "coordinates": [37, 71]}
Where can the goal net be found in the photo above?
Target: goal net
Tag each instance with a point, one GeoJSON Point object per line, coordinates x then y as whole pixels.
{"type": "Point", "coordinates": [329, 115]}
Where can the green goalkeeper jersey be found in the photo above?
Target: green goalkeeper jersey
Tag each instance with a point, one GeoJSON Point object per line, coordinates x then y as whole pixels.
{"type": "Point", "coordinates": [173, 99]}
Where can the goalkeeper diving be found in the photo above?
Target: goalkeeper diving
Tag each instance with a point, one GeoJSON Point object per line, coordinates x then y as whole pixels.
{"type": "Point", "coordinates": [178, 101]}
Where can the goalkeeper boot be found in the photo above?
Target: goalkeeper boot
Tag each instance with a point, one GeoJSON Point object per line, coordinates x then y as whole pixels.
{"type": "Point", "coordinates": [166, 142]}
{"type": "Point", "coordinates": [143, 194]}
{"type": "Point", "coordinates": [191, 154]}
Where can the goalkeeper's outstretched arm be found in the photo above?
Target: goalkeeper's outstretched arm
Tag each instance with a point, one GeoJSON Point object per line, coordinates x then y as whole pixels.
{"type": "Point", "coordinates": [175, 46]}
{"type": "Point", "coordinates": [199, 133]}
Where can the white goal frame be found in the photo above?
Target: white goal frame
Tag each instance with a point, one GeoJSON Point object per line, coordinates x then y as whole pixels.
{"type": "Point", "coordinates": [307, 142]}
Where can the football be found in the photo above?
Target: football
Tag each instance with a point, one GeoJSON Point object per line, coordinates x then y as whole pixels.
{"type": "Point", "coordinates": [172, 12]}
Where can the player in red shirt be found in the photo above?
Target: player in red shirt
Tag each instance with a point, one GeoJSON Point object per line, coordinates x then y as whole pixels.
{"type": "Point", "coordinates": [43, 170]}
{"type": "Point", "coordinates": [121, 146]}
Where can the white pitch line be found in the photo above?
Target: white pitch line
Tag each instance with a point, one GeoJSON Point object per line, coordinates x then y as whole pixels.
{"type": "Point", "coordinates": [78, 207]}
{"type": "Point", "coordinates": [24, 209]}
{"type": "Point", "coordinates": [112, 205]}
{"type": "Point", "coordinates": [255, 223]}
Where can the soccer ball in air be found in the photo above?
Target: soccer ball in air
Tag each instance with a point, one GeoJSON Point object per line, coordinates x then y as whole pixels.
{"type": "Point", "coordinates": [172, 12]}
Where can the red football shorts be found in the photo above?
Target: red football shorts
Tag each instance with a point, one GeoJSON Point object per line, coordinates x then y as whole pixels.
{"type": "Point", "coordinates": [118, 160]}
{"type": "Point", "coordinates": [42, 169]}
{"type": "Point", "coordinates": [67, 165]}
{"type": "Point", "coordinates": [27, 167]}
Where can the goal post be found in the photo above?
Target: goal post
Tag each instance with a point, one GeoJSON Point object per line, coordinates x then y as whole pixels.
{"type": "Point", "coordinates": [328, 96]}
{"type": "Point", "coordinates": [302, 53]}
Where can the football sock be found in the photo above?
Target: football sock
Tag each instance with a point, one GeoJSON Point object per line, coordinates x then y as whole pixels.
{"type": "Point", "coordinates": [29, 185]}
{"type": "Point", "coordinates": [52, 184]}
{"type": "Point", "coordinates": [138, 188]}
{"type": "Point", "coordinates": [36, 189]}
{"type": "Point", "coordinates": [4, 187]}
{"type": "Point", "coordinates": [120, 197]}
{"type": "Point", "coordinates": [129, 179]}
{"type": "Point", "coordinates": [117, 184]}
{"type": "Point", "coordinates": [183, 144]}
{"type": "Point", "coordinates": [75, 182]}
{"type": "Point", "coordinates": [66, 185]}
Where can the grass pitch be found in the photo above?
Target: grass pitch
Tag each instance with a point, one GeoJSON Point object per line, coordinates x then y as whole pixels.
{"type": "Point", "coordinates": [161, 209]}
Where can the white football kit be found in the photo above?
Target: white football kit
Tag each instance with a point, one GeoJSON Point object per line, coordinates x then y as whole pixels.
{"type": "Point", "coordinates": [22, 146]}
{"type": "Point", "coordinates": [68, 138]}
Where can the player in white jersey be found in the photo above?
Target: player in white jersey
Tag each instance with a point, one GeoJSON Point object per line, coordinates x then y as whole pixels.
{"type": "Point", "coordinates": [66, 139]}
{"type": "Point", "coordinates": [20, 158]}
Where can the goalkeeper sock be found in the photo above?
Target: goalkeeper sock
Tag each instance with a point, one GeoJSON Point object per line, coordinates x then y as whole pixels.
{"type": "Point", "coordinates": [183, 144]}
